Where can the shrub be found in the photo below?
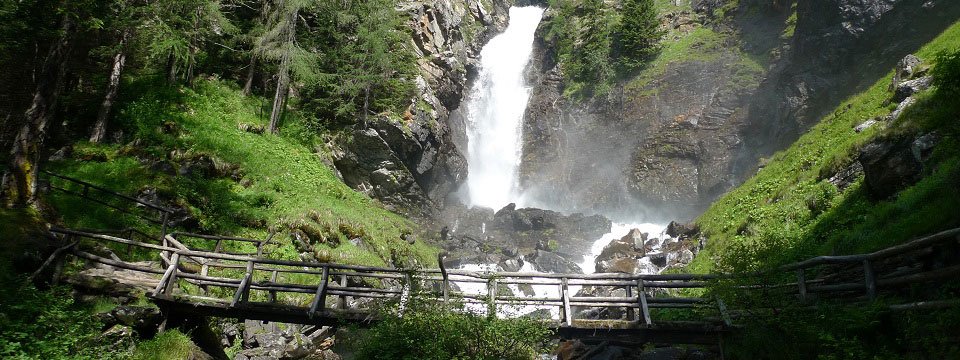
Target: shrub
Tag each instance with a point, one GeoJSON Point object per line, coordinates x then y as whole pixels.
{"type": "Point", "coordinates": [426, 331]}
{"type": "Point", "coordinates": [946, 74]}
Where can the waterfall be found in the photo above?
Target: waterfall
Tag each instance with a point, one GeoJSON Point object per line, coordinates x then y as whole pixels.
{"type": "Point", "coordinates": [495, 110]}
{"type": "Point", "coordinates": [494, 116]}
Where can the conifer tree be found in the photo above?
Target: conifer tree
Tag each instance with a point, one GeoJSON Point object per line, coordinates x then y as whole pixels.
{"type": "Point", "coordinates": [639, 34]}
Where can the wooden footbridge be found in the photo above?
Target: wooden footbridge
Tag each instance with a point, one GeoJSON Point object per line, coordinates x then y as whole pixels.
{"type": "Point", "coordinates": [250, 285]}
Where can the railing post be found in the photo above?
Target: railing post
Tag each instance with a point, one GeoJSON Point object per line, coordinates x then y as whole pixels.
{"type": "Point", "coordinates": [492, 297]}
{"type": "Point", "coordinates": [631, 315]}
{"type": "Point", "coordinates": [802, 284]}
{"type": "Point", "coordinates": [243, 291]}
{"type": "Point", "coordinates": [446, 279]}
{"type": "Point", "coordinates": [342, 300]}
{"type": "Point", "coordinates": [204, 269]}
{"type": "Point", "coordinates": [320, 298]}
{"type": "Point", "coordinates": [642, 299]}
{"type": "Point", "coordinates": [272, 295]}
{"type": "Point", "coordinates": [246, 291]}
{"type": "Point", "coordinates": [172, 280]}
{"type": "Point", "coordinates": [219, 247]}
{"type": "Point", "coordinates": [870, 280]}
{"type": "Point", "coordinates": [565, 294]}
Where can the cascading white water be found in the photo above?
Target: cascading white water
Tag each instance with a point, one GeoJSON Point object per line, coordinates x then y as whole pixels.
{"type": "Point", "coordinates": [495, 108]}
{"type": "Point", "coordinates": [495, 111]}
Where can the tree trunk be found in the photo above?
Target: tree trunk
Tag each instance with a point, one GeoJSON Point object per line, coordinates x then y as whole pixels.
{"type": "Point", "coordinates": [251, 72]}
{"type": "Point", "coordinates": [283, 78]}
{"type": "Point", "coordinates": [119, 59]}
{"type": "Point", "coordinates": [171, 70]}
{"type": "Point", "coordinates": [25, 152]}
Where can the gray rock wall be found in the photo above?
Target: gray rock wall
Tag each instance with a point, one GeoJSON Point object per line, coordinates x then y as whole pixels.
{"type": "Point", "coordinates": [670, 147]}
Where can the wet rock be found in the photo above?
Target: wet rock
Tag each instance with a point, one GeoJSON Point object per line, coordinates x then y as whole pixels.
{"type": "Point", "coordinates": [550, 262]}
{"type": "Point", "coordinates": [120, 337]}
{"type": "Point", "coordinates": [678, 230]}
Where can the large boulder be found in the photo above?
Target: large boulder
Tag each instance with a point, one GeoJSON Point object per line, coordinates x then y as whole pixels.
{"type": "Point", "coordinates": [891, 165]}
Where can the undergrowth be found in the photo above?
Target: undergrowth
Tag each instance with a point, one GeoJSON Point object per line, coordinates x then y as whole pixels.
{"type": "Point", "coordinates": [264, 181]}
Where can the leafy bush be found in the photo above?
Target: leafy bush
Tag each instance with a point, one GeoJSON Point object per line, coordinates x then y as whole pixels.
{"type": "Point", "coordinates": [47, 324]}
{"type": "Point", "coordinates": [428, 332]}
{"type": "Point", "coordinates": [946, 74]}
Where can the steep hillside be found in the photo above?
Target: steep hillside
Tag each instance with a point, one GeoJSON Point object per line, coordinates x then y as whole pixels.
{"type": "Point", "coordinates": [732, 82]}
{"type": "Point", "coordinates": [813, 197]}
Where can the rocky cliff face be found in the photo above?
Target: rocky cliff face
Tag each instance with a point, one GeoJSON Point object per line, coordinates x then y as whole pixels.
{"type": "Point", "coordinates": [410, 162]}
{"type": "Point", "coordinates": [676, 138]}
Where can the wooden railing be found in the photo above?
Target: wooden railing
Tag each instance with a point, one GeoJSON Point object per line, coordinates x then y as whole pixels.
{"type": "Point", "coordinates": [295, 291]}
{"type": "Point", "coordinates": [153, 213]}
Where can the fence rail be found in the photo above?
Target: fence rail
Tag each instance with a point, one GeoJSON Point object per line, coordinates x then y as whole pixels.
{"type": "Point", "coordinates": [296, 291]}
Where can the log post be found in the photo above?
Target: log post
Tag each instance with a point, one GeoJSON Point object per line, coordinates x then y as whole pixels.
{"type": "Point", "coordinates": [246, 291]}
{"type": "Point", "coordinates": [319, 298]}
{"type": "Point", "coordinates": [631, 315]}
{"type": "Point", "coordinates": [204, 269]}
{"type": "Point", "coordinates": [565, 293]}
{"type": "Point", "coordinates": [172, 280]}
{"type": "Point", "coordinates": [219, 247]}
{"type": "Point", "coordinates": [446, 279]}
{"type": "Point", "coordinates": [642, 299]}
{"type": "Point", "coordinates": [870, 280]}
{"type": "Point", "coordinates": [492, 297]}
{"type": "Point", "coordinates": [272, 295]}
{"type": "Point", "coordinates": [342, 299]}
{"type": "Point", "coordinates": [802, 284]}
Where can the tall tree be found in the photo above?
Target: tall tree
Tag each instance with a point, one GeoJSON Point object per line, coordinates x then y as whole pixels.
{"type": "Point", "coordinates": [124, 22]}
{"type": "Point", "coordinates": [279, 43]}
{"type": "Point", "coordinates": [25, 151]}
{"type": "Point", "coordinates": [639, 33]}
{"type": "Point", "coordinates": [176, 30]}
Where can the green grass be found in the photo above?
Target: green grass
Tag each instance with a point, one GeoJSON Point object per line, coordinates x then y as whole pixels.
{"type": "Point", "coordinates": [788, 211]}
{"type": "Point", "coordinates": [286, 183]}
{"type": "Point", "coordinates": [168, 345]}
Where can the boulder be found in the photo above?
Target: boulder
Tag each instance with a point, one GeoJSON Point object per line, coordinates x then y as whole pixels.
{"type": "Point", "coordinates": [910, 87]}
{"type": "Point", "coordinates": [678, 230]}
{"type": "Point", "coordinates": [891, 165]}
{"type": "Point", "coordinates": [546, 261]}
{"type": "Point", "coordinates": [904, 70]}
{"type": "Point", "coordinates": [865, 125]}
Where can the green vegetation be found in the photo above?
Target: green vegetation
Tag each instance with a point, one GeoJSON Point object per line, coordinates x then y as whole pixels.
{"type": "Point", "coordinates": [789, 211]}
{"type": "Point", "coordinates": [430, 332]}
{"type": "Point", "coordinates": [168, 345]}
{"type": "Point", "coordinates": [284, 185]}
{"type": "Point", "coordinates": [596, 43]}
{"type": "Point", "coordinates": [47, 324]}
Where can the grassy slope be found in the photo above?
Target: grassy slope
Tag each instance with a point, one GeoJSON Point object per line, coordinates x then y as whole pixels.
{"type": "Point", "coordinates": [787, 211]}
{"type": "Point", "coordinates": [288, 183]}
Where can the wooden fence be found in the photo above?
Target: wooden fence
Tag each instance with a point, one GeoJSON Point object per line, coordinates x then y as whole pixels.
{"type": "Point", "coordinates": [293, 291]}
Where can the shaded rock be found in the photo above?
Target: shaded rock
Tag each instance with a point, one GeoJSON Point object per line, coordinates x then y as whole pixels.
{"type": "Point", "coordinates": [678, 230]}
{"type": "Point", "coordinates": [844, 178]}
{"type": "Point", "coordinates": [891, 165]}
{"type": "Point", "coordinates": [906, 103]}
{"type": "Point", "coordinates": [904, 70]}
{"type": "Point", "coordinates": [550, 262]}
{"type": "Point", "coordinates": [910, 87]}
{"type": "Point", "coordinates": [865, 125]}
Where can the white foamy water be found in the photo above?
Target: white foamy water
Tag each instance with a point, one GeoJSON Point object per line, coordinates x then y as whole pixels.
{"type": "Point", "coordinates": [495, 111]}
{"type": "Point", "coordinates": [617, 231]}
